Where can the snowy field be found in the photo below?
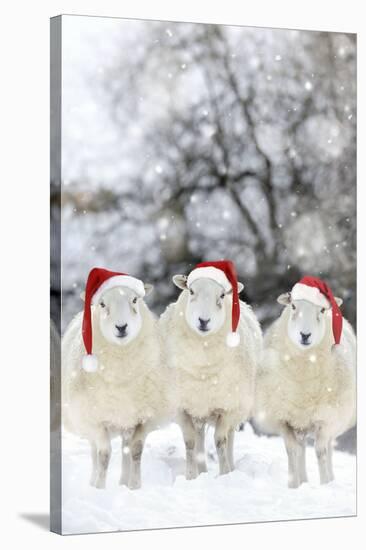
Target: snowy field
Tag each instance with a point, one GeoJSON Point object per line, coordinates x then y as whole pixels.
{"type": "Point", "coordinates": [255, 491]}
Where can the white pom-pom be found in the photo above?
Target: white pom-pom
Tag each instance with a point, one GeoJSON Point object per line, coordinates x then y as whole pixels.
{"type": "Point", "coordinates": [90, 363]}
{"type": "Point", "coordinates": [233, 339]}
{"type": "Point", "coordinates": [337, 349]}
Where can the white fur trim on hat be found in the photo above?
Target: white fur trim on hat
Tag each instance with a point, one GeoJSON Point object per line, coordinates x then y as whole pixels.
{"type": "Point", "coordinates": [120, 280]}
{"type": "Point", "coordinates": [232, 339]}
{"type": "Point", "coordinates": [310, 294]}
{"type": "Point", "coordinates": [209, 273]}
{"type": "Point", "coordinates": [89, 363]}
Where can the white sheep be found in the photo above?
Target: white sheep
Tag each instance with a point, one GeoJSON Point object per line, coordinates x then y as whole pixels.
{"type": "Point", "coordinates": [126, 394]}
{"type": "Point", "coordinates": [214, 383]}
{"type": "Point", "coordinates": [306, 385]}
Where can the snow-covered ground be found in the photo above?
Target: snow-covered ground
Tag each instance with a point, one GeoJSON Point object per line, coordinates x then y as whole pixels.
{"type": "Point", "coordinates": [255, 491]}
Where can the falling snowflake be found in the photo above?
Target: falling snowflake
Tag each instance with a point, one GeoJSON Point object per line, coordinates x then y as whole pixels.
{"type": "Point", "coordinates": [261, 415]}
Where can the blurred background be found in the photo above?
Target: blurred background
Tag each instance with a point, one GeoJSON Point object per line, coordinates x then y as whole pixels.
{"type": "Point", "coordinates": [186, 142]}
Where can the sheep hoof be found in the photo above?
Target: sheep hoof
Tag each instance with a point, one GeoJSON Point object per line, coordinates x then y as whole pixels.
{"type": "Point", "coordinates": [225, 471]}
{"type": "Point", "coordinates": [293, 484]}
{"type": "Point", "coordinates": [92, 481]}
{"type": "Point", "coordinates": [191, 475]}
{"type": "Point", "coordinates": [100, 484]}
{"type": "Point", "coordinates": [133, 485]}
{"type": "Point", "coordinates": [326, 480]}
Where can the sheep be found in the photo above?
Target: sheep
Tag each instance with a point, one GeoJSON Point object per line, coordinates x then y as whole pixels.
{"type": "Point", "coordinates": [126, 395]}
{"type": "Point", "coordinates": [306, 385]}
{"type": "Point", "coordinates": [213, 383]}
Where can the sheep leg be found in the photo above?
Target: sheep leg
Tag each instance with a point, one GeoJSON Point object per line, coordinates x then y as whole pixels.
{"type": "Point", "coordinates": [330, 461]}
{"type": "Point", "coordinates": [199, 426]}
{"type": "Point", "coordinates": [322, 453]}
{"type": "Point", "coordinates": [221, 442]}
{"type": "Point", "coordinates": [189, 436]}
{"type": "Point", "coordinates": [137, 446]}
{"type": "Point", "coordinates": [93, 449]}
{"type": "Point", "coordinates": [103, 445]}
{"type": "Point", "coordinates": [293, 449]}
{"type": "Point", "coordinates": [302, 462]}
{"type": "Point", "coordinates": [126, 456]}
{"type": "Point", "coordinates": [230, 448]}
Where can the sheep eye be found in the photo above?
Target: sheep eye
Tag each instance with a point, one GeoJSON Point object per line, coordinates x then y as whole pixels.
{"type": "Point", "coordinates": [134, 301]}
{"type": "Point", "coordinates": [102, 304]}
{"type": "Point", "coordinates": [191, 292]}
{"type": "Point", "coordinates": [322, 310]}
{"type": "Point", "coordinates": [222, 296]}
{"type": "Point", "coordinates": [293, 307]}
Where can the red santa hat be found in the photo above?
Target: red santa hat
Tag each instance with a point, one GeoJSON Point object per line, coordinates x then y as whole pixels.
{"type": "Point", "coordinates": [224, 273]}
{"type": "Point", "coordinates": [100, 280]}
{"type": "Point", "coordinates": [318, 292]}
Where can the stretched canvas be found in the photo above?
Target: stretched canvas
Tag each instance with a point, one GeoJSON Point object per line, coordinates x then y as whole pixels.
{"type": "Point", "coordinates": [203, 274]}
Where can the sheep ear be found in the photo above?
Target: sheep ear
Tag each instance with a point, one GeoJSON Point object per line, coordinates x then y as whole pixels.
{"type": "Point", "coordinates": [180, 281]}
{"type": "Point", "coordinates": [82, 295]}
{"type": "Point", "coordinates": [148, 288]}
{"type": "Point", "coordinates": [284, 299]}
{"type": "Point", "coordinates": [240, 288]}
{"type": "Point", "coordinates": [339, 301]}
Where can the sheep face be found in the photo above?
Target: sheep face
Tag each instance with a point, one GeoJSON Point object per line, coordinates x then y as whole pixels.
{"type": "Point", "coordinates": [306, 324]}
{"type": "Point", "coordinates": [205, 311]}
{"type": "Point", "coordinates": [119, 316]}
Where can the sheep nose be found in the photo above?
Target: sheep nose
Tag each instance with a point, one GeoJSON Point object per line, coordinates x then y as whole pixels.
{"type": "Point", "coordinates": [305, 337]}
{"type": "Point", "coordinates": [203, 323]}
{"type": "Point", "coordinates": [121, 329]}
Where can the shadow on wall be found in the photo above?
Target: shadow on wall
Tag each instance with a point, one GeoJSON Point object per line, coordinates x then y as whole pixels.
{"type": "Point", "coordinates": [40, 520]}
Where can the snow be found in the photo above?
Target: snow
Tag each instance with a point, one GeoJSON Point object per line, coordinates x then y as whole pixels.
{"type": "Point", "coordinates": [255, 491]}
